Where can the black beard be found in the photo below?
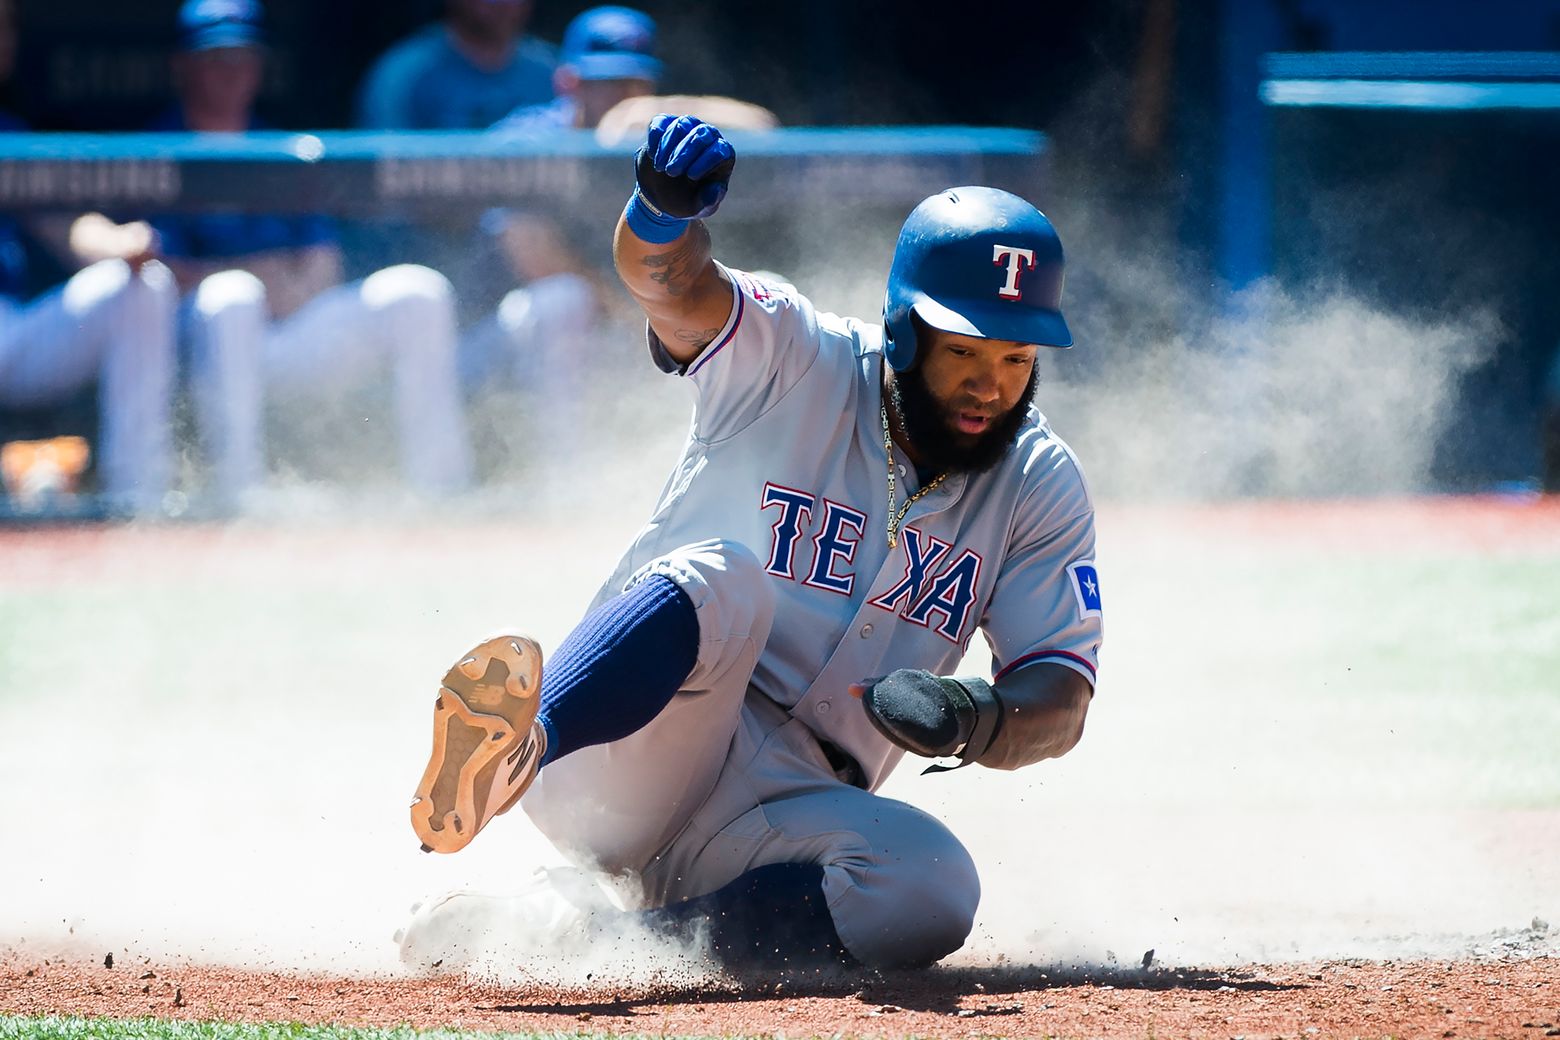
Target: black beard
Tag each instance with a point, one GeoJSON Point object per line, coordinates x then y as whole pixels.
{"type": "Point", "coordinates": [942, 447]}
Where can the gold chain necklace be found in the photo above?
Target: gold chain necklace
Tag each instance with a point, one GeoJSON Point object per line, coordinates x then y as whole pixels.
{"type": "Point", "coordinates": [895, 517]}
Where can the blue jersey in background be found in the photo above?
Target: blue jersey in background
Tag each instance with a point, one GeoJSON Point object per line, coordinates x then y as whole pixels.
{"type": "Point", "coordinates": [222, 236]}
{"type": "Point", "coordinates": [13, 258]}
{"type": "Point", "coordinates": [425, 83]}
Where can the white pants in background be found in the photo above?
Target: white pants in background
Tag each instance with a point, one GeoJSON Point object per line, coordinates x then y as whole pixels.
{"type": "Point", "coordinates": [116, 327]}
{"type": "Point", "coordinates": [402, 317]}
{"type": "Point", "coordinates": [538, 340]}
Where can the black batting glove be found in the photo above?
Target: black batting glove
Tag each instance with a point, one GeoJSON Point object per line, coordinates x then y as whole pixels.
{"type": "Point", "coordinates": [684, 167]}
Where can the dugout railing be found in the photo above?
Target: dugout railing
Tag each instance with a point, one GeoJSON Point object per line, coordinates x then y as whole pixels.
{"type": "Point", "coordinates": [798, 196]}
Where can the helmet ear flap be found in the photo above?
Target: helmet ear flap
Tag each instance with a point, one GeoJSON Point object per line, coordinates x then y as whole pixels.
{"type": "Point", "coordinates": [900, 346]}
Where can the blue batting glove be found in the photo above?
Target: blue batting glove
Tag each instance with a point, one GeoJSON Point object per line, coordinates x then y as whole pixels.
{"type": "Point", "coordinates": [681, 173]}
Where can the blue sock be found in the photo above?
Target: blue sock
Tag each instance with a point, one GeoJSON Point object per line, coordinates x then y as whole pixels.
{"type": "Point", "coordinates": [619, 667]}
{"type": "Point", "coordinates": [772, 917]}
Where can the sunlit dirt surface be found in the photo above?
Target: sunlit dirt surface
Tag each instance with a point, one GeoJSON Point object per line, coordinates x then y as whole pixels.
{"type": "Point", "coordinates": [1516, 997]}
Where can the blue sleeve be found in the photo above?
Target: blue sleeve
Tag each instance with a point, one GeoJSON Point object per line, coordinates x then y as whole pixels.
{"type": "Point", "coordinates": [222, 236]}
{"type": "Point", "coordinates": [173, 237]}
{"type": "Point", "coordinates": [13, 260]}
{"type": "Point", "coordinates": [316, 229]}
{"type": "Point", "coordinates": [13, 255]}
{"type": "Point", "coordinates": [385, 101]}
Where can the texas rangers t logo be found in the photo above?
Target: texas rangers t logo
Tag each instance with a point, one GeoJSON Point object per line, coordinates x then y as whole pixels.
{"type": "Point", "coordinates": [1017, 259]}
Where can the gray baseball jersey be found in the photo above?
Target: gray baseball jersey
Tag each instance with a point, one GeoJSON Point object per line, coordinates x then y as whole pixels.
{"type": "Point", "coordinates": [785, 456]}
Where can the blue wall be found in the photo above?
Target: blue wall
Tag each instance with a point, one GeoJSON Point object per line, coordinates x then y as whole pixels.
{"type": "Point", "coordinates": [1415, 212]}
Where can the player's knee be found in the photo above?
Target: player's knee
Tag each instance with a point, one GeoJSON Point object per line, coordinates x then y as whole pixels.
{"type": "Point", "coordinates": [563, 299]}
{"type": "Point", "coordinates": [738, 563]}
{"type": "Point", "coordinates": [228, 291]}
{"type": "Point", "coordinates": [913, 909]}
{"type": "Point", "coordinates": [158, 283]}
{"type": "Point", "coordinates": [410, 287]}
{"type": "Point", "coordinates": [145, 300]}
{"type": "Point", "coordinates": [947, 889]}
{"type": "Point", "coordinates": [736, 585]}
{"type": "Point", "coordinates": [732, 597]}
{"type": "Point", "coordinates": [97, 286]}
{"type": "Point", "coordinates": [546, 320]}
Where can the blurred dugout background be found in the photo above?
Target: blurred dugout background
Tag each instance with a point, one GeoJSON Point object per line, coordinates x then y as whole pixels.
{"type": "Point", "coordinates": [1209, 193]}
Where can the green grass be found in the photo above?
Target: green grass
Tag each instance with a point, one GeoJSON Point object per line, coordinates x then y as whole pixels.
{"type": "Point", "coordinates": [21, 1028]}
{"type": "Point", "coordinates": [1380, 678]}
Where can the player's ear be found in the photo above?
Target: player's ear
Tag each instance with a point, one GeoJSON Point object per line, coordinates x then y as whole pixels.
{"type": "Point", "coordinates": [565, 80]}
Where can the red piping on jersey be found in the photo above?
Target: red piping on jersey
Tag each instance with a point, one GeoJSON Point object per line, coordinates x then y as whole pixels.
{"type": "Point", "coordinates": [1040, 655]}
{"type": "Point", "coordinates": [741, 306]}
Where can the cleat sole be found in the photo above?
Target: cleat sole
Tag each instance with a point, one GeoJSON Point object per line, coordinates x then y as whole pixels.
{"type": "Point", "coordinates": [483, 716]}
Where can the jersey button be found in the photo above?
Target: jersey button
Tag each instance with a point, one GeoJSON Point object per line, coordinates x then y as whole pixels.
{"type": "Point", "coordinates": [866, 630]}
{"type": "Point", "coordinates": [822, 707]}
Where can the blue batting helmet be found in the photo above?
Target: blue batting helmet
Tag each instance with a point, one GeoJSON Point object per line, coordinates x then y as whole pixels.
{"type": "Point", "coordinates": [976, 261]}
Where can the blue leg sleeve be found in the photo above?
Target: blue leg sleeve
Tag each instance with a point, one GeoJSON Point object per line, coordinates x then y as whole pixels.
{"type": "Point", "coordinates": [619, 667]}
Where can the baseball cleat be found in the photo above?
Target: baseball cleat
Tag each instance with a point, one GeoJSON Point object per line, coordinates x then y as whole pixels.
{"type": "Point", "coordinates": [559, 913]}
{"type": "Point", "coordinates": [487, 743]}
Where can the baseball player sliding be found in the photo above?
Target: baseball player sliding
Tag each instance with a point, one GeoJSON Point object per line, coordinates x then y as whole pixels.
{"type": "Point", "coordinates": [855, 500]}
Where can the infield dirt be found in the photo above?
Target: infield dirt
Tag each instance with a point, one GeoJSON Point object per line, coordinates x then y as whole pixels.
{"type": "Point", "coordinates": [1518, 998]}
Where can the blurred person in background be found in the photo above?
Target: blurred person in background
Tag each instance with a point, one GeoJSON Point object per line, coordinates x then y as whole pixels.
{"type": "Point", "coordinates": [539, 337]}
{"type": "Point", "coordinates": [608, 56]}
{"type": "Point", "coordinates": [462, 73]}
{"type": "Point", "coordinates": [268, 318]}
{"type": "Point", "coordinates": [607, 79]}
{"type": "Point", "coordinates": [111, 324]}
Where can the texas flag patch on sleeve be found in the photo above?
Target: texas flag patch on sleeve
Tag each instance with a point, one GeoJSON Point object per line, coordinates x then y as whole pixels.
{"type": "Point", "coordinates": [1086, 586]}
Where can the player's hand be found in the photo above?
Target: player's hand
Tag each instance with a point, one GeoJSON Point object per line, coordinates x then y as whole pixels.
{"type": "Point", "coordinates": [94, 237]}
{"type": "Point", "coordinates": [140, 244]}
{"type": "Point", "coordinates": [684, 167]}
{"type": "Point", "coordinates": [923, 713]}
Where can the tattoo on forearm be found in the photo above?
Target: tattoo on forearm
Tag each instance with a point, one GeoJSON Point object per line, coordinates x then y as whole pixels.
{"type": "Point", "coordinates": [695, 338]}
{"type": "Point", "coordinates": [674, 270]}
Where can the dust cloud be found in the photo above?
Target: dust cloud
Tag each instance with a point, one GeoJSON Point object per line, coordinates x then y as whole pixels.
{"type": "Point", "coordinates": [1286, 396]}
{"type": "Point", "coordinates": [210, 735]}
{"type": "Point", "coordinates": [223, 775]}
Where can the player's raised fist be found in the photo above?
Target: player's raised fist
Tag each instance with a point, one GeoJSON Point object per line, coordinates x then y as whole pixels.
{"type": "Point", "coordinates": [684, 167]}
